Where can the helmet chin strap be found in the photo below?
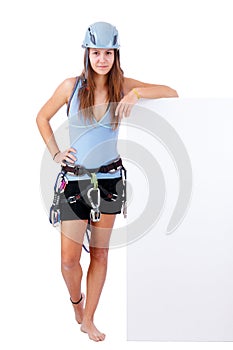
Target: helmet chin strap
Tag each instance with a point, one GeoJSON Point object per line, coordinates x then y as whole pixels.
{"type": "Point", "coordinates": [86, 66]}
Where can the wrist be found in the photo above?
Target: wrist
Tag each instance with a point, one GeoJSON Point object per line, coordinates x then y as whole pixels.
{"type": "Point", "coordinates": [56, 154]}
{"type": "Point", "coordinates": [136, 93]}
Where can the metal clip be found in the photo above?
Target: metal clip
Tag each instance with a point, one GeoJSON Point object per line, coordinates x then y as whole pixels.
{"type": "Point", "coordinates": [71, 199]}
{"type": "Point", "coordinates": [95, 203]}
{"type": "Point", "coordinates": [114, 197]}
{"type": "Point", "coordinates": [54, 216]}
{"type": "Point", "coordinates": [125, 209]}
{"type": "Point", "coordinates": [95, 215]}
{"type": "Point", "coordinates": [92, 191]}
{"type": "Point", "coordinates": [60, 183]}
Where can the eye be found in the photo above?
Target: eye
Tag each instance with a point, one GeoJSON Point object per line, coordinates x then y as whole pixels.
{"type": "Point", "coordinates": [109, 53]}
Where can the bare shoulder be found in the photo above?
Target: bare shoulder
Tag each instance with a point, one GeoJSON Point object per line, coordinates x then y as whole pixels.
{"type": "Point", "coordinates": [69, 82]}
{"type": "Point", "coordinates": [66, 87]}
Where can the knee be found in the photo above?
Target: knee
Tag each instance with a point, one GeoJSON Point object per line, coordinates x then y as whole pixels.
{"type": "Point", "coordinates": [68, 261]}
{"type": "Point", "coordinates": [99, 254]}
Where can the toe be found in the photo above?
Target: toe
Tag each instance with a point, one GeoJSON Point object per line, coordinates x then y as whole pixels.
{"type": "Point", "coordinates": [102, 337]}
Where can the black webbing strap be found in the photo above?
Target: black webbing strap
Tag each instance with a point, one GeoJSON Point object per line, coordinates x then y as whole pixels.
{"type": "Point", "coordinates": [80, 170]}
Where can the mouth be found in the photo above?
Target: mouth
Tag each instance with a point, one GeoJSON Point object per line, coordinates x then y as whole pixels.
{"type": "Point", "coordinates": [102, 67]}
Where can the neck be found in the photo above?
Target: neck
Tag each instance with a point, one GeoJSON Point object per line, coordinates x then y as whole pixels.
{"type": "Point", "coordinates": [100, 81]}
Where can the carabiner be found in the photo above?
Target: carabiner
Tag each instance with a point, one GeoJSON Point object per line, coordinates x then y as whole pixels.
{"type": "Point", "coordinates": [60, 183]}
{"type": "Point", "coordinates": [92, 190]}
{"type": "Point", "coordinates": [54, 216]}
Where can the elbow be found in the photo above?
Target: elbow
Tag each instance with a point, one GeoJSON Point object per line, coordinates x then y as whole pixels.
{"type": "Point", "coordinates": [38, 120]}
{"type": "Point", "coordinates": [172, 93]}
{"type": "Point", "coordinates": [167, 92]}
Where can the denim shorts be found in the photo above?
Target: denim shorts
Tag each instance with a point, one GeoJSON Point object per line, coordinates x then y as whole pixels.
{"type": "Point", "coordinates": [111, 198]}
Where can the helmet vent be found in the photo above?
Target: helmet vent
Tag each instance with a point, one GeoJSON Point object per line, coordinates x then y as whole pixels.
{"type": "Point", "coordinates": [114, 39]}
{"type": "Point", "coordinates": [92, 37]}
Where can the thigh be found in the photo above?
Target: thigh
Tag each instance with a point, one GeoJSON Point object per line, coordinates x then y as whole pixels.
{"type": "Point", "coordinates": [101, 231]}
{"type": "Point", "coordinates": [72, 233]}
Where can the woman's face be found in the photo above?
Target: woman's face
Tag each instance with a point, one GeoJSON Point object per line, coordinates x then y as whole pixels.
{"type": "Point", "coordinates": [101, 60]}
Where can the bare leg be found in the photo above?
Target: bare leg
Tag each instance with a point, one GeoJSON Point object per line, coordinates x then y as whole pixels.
{"type": "Point", "coordinates": [72, 233]}
{"type": "Point", "coordinates": [96, 276]}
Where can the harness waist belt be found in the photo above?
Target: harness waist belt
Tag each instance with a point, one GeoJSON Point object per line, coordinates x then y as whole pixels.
{"type": "Point", "coordinates": [81, 170]}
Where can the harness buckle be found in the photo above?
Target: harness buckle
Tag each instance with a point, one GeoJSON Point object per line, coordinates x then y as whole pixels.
{"type": "Point", "coordinates": [80, 170]}
{"type": "Point", "coordinates": [72, 199]}
{"type": "Point", "coordinates": [115, 169]}
{"type": "Point", "coordinates": [114, 197]}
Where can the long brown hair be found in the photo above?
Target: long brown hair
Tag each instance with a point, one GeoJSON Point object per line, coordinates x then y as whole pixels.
{"type": "Point", "coordinates": [115, 88]}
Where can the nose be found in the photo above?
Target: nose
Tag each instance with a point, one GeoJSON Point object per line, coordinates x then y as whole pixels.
{"type": "Point", "coordinates": [102, 57]}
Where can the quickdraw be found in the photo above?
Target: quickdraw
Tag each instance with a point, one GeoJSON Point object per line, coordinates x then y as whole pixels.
{"type": "Point", "coordinates": [93, 194]}
{"type": "Point", "coordinates": [59, 188]}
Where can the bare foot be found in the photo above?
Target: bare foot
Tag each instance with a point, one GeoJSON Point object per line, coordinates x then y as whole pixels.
{"type": "Point", "coordinates": [93, 333]}
{"type": "Point", "coordinates": [78, 309]}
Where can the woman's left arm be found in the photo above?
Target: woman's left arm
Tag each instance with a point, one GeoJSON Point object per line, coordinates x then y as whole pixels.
{"type": "Point", "coordinates": [134, 90]}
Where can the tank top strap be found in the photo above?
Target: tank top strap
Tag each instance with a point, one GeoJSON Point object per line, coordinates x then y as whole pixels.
{"type": "Point", "coordinates": [72, 95]}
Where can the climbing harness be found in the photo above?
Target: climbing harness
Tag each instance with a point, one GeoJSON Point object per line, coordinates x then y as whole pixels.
{"type": "Point", "coordinates": [92, 192]}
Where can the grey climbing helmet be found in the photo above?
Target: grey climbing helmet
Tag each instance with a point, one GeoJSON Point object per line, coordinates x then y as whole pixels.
{"type": "Point", "coordinates": [101, 35]}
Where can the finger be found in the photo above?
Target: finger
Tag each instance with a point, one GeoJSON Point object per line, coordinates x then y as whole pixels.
{"type": "Point", "coordinates": [128, 110]}
{"type": "Point", "coordinates": [121, 111]}
{"type": "Point", "coordinates": [118, 109]}
{"type": "Point", "coordinates": [71, 157]}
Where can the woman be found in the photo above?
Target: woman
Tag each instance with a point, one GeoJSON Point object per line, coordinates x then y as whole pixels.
{"type": "Point", "coordinates": [96, 102]}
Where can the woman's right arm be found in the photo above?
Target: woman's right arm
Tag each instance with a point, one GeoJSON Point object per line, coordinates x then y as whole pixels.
{"type": "Point", "coordinates": [50, 108]}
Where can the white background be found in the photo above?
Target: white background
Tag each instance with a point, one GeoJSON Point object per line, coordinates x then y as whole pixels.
{"type": "Point", "coordinates": [184, 278]}
{"type": "Point", "coordinates": [184, 44]}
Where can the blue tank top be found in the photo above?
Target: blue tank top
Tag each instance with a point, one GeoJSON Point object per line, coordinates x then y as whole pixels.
{"type": "Point", "coordinates": [95, 142]}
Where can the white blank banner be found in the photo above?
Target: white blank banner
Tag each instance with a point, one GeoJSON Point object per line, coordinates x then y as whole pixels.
{"type": "Point", "coordinates": [180, 285]}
